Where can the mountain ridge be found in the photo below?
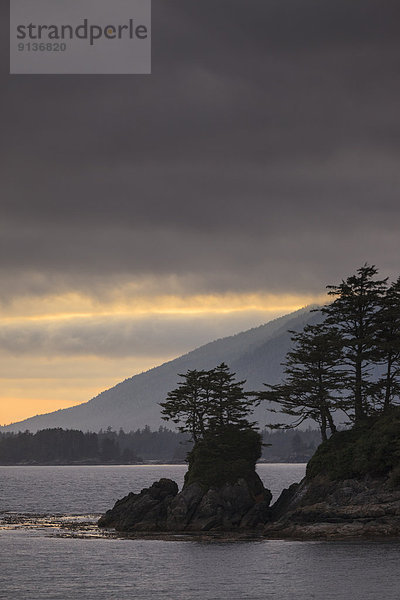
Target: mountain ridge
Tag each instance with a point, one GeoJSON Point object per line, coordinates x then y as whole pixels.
{"type": "Point", "coordinates": [255, 355]}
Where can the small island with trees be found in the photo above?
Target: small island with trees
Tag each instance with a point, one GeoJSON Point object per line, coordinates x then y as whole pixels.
{"type": "Point", "coordinates": [222, 490]}
{"type": "Point", "coordinates": [344, 368]}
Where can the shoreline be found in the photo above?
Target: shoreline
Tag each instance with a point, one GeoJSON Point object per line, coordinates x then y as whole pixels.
{"type": "Point", "coordinates": [127, 464]}
{"type": "Point", "coordinates": [318, 532]}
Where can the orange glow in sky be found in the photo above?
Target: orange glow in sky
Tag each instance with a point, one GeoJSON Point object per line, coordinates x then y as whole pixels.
{"type": "Point", "coordinates": [40, 373]}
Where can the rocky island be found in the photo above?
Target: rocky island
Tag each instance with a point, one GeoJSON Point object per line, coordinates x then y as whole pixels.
{"type": "Point", "coordinates": [351, 490]}
{"type": "Point", "coordinates": [345, 364]}
{"type": "Point", "coordinates": [222, 492]}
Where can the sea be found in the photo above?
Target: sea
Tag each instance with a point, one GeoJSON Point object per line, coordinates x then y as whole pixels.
{"type": "Point", "coordinates": [50, 547]}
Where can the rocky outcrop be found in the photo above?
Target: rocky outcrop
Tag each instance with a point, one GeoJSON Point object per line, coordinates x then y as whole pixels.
{"type": "Point", "coordinates": [195, 509]}
{"type": "Point", "coordinates": [317, 508]}
{"type": "Point", "coordinates": [351, 488]}
{"type": "Point", "coordinates": [227, 508]}
{"type": "Point", "coordinates": [320, 508]}
{"type": "Point", "coordinates": [222, 491]}
{"type": "Point", "coordinates": [146, 511]}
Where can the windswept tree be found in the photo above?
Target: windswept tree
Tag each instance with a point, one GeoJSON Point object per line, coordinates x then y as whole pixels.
{"type": "Point", "coordinates": [353, 314]}
{"type": "Point", "coordinates": [350, 362]}
{"type": "Point", "coordinates": [229, 403]}
{"type": "Point", "coordinates": [187, 404]}
{"type": "Point", "coordinates": [387, 345]}
{"type": "Point", "coordinates": [208, 402]}
{"type": "Point", "coordinates": [313, 384]}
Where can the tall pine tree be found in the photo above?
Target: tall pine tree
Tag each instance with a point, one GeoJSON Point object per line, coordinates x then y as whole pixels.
{"type": "Point", "coordinates": [209, 402]}
{"type": "Point", "coordinates": [354, 314]}
{"type": "Point", "coordinates": [187, 404]}
{"type": "Point", "coordinates": [388, 346]}
{"type": "Point", "coordinates": [313, 384]}
{"type": "Point", "coordinates": [229, 403]}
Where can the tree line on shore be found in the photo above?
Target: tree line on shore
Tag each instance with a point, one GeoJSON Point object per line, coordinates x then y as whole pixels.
{"type": "Point", "coordinates": [59, 446]}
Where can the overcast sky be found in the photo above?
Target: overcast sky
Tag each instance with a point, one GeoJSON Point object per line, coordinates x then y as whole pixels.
{"type": "Point", "coordinates": [144, 215]}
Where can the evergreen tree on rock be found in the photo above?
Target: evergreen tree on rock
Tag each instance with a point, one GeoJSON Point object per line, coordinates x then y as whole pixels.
{"type": "Point", "coordinates": [388, 347]}
{"type": "Point", "coordinates": [229, 404]}
{"type": "Point", "coordinates": [313, 385]}
{"type": "Point", "coordinates": [188, 403]}
{"type": "Point", "coordinates": [353, 314]}
{"type": "Point", "coordinates": [208, 401]}
{"type": "Point", "coordinates": [214, 408]}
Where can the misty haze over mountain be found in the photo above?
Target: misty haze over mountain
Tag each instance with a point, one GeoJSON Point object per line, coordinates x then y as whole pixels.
{"type": "Point", "coordinates": [254, 355]}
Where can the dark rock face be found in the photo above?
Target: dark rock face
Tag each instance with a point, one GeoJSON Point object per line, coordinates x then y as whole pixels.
{"type": "Point", "coordinates": [351, 488]}
{"type": "Point", "coordinates": [322, 508]}
{"type": "Point", "coordinates": [314, 509]}
{"type": "Point", "coordinates": [146, 511]}
{"type": "Point", "coordinates": [227, 508]}
{"type": "Point", "coordinates": [161, 508]}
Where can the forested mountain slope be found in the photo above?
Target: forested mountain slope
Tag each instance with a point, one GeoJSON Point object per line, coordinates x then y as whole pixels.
{"type": "Point", "coordinates": [255, 355]}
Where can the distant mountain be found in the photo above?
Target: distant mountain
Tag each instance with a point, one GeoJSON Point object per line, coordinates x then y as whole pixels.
{"type": "Point", "coordinates": [255, 355]}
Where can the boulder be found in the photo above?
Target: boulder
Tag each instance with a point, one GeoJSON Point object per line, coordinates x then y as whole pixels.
{"type": "Point", "coordinates": [146, 511]}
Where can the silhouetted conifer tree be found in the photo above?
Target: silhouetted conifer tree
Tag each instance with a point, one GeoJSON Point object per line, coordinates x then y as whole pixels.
{"type": "Point", "coordinates": [229, 404]}
{"type": "Point", "coordinates": [208, 401]}
{"type": "Point", "coordinates": [353, 313]}
{"type": "Point", "coordinates": [387, 346]}
{"type": "Point", "coordinates": [187, 404]}
{"type": "Point", "coordinates": [313, 385]}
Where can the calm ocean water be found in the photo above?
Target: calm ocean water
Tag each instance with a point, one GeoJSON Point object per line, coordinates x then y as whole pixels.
{"type": "Point", "coordinates": [41, 558]}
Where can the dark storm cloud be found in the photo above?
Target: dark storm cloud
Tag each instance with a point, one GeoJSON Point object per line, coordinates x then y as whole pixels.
{"type": "Point", "coordinates": [261, 154]}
